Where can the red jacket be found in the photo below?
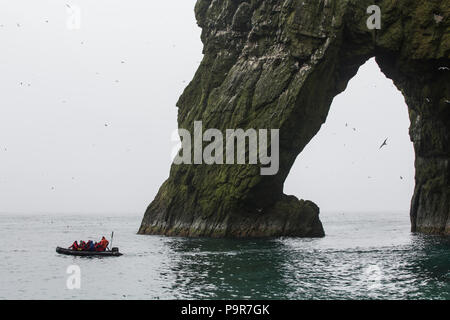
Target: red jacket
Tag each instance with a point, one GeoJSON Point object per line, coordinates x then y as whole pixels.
{"type": "Point", "coordinates": [102, 245]}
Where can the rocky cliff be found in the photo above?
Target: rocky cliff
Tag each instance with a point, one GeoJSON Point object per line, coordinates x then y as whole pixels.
{"type": "Point", "coordinates": [279, 64]}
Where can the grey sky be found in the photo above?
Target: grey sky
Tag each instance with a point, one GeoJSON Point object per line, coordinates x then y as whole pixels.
{"type": "Point", "coordinates": [86, 116]}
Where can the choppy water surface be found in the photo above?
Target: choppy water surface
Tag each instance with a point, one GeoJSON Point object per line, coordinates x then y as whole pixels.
{"type": "Point", "coordinates": [364, 256]}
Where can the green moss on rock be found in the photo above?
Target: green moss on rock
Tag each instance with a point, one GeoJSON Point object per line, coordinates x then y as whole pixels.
{"type": "Point", "coordinates": [279, 64]}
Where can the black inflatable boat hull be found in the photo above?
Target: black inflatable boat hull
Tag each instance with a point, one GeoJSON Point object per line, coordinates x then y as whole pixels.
{"type": "Point", "coordinates": [70, 252]}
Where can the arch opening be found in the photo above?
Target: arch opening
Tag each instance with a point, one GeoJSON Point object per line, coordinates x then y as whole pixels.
{"type": "Point", "coordinates": [343, 168]}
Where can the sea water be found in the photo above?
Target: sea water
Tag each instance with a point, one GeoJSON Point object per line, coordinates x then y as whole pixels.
{"type": "Point", "coordinates": [363, 256]}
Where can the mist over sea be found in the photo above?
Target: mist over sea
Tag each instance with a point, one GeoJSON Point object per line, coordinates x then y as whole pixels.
{"type": "Point", "coordinates": [363, 256]}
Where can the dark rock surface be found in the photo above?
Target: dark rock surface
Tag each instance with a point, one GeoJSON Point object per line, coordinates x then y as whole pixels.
{"type": "Point", "coordinates": [279, 64]}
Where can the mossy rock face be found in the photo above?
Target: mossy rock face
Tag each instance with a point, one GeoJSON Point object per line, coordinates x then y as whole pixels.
{"type": "Point", "coordinates": [278, 64]}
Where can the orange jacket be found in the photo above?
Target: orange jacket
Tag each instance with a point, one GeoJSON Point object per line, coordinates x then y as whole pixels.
{"type": "Point", "coordinates": [103, 244]}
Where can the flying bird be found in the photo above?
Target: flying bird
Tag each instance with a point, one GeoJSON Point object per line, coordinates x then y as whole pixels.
{"type": "Point", "coordinates": [438, 18]}
{"type": "Point", "coordinates": [384, 144]}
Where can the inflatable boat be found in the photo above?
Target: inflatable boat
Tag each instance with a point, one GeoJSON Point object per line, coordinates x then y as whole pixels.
{"type": "Point", "coordinates": [113, 253]}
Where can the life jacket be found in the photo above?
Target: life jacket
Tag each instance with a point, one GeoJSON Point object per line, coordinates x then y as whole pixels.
{"type": "Point", "coordinates": [74, 246]}
{"type": "Point", "coordinates": [90, 246]}
{"type": "Point", "coordinates": [105, 243]}
{"type": "Point", "coordinates": [101, 246]}
{"type": "Point", "coordinates": [87, 245]}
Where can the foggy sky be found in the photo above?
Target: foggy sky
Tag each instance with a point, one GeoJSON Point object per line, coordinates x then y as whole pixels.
{"type": "Point", "coordinates": [87, 115]}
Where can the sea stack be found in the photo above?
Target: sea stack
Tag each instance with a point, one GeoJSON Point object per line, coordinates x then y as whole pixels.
{"type": "Point", "coordinates": [278, 65]}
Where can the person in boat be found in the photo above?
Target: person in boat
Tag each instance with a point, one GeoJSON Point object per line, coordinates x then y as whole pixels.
{"type": "Point", "coordinates": [90, 246]}
{"type": "Point", "coordinates": [82, 246]}
{"type": "Point", "coordinates": [74, 246]}
{"type": "Point", "coordinates": [102, 245]}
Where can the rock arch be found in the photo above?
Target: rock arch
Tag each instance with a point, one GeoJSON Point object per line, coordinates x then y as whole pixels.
{"type": "Point", "coordinates": [279, 64]}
